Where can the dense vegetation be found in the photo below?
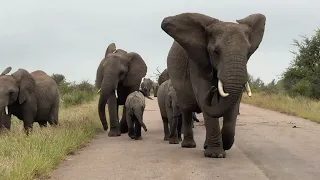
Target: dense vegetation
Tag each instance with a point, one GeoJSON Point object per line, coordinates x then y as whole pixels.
{"type": "Point", "coordinates": [297, 92]}
{"type": "Point", "coordinates": [73, 93]}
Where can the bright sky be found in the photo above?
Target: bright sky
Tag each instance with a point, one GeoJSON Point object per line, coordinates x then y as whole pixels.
{"type": "Point", "coordinates": [70, 37]}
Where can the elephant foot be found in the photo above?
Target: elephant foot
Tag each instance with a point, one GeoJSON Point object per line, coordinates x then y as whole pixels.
{"type": "Point", "coordinates": [173, 141]}
{"type": "Point", "coordinates": [227, 140]}
{"type": "Point", "coordinates": [166, 138]}
{"type": "Point", "coordinates": [138, 138]}
{"type": "Point", "coordinates": [114, 132]}
{"type": "Point", "coordinates": [214, 152]}
{"type": "Point", "coordinates": [123, 126]}
{"type": "Point", "coordinates": [188, 143]}
{"type": "Point", "coordinates": [205, 145]}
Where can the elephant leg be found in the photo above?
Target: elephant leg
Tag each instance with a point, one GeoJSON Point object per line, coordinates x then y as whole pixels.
{"type": "Point", "coordinates": [213, 143]}
{"type": "Point", "coordinates": [137, 129]}
{"type": "Point", "coordinates": [113, 117]}
{"type": "Point", "coordinates": [123, 122]}
{"type": "Point", "coordinates": [173, 136]}
{"type": "Point", "coordinates": [28, 122]}
{"type": "Point", "coordinates": [188, 140]}
{"type": "Point", "coordinates": [179, 128]}
{"type": "Point", "coordinates": [54, 115]}
{"type": "Point", "coordinates": [130, 123]}
{"type": "Point", "coordinates": [165, 128]}
{"type": "Point", "coordinates": [229, 125]}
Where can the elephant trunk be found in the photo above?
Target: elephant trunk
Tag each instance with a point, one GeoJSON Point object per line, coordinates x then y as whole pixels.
{"type": "Point", "coordinates": [108, 92]}
{"type": "Point", "coordinates": [230, 87]}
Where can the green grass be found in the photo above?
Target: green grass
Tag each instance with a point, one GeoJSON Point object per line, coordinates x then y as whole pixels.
{"type": "Point", "coordinates": [35, 156]}
{"type": "Point", "coordinates": [298, 106]}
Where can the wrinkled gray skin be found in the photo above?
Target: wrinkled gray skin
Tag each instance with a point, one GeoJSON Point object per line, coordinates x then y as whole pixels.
{"type": "Point", "coordinates": [146, 85]}
{"type": "Point", "coordinates": [119, 73]}
{"type": "Point", "coordinates": [135, 105]}
{"type": "Point", "coordinates": [170, 112]}
{"type": "Point", "coordinates": [155, 87]}
{"type": "Point", "coordinates": [31, 97]}
{"type": "Point", "coordinates": [211, 50]}
{"type": "Point", "coordinates": [165, 76]}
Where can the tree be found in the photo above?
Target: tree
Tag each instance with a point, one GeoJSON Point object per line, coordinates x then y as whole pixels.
{"type": "Point", "coordinates": [303, 75]}
{"type": "Point", "coordinates": [58, 78]}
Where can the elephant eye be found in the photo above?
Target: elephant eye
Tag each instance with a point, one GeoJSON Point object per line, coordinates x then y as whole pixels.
{"type": "Point", "coordinates": [10, 93]}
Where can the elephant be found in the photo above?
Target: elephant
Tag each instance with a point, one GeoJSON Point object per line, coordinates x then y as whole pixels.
{"type": "Point", "coordinates": [146, 85]}
{"type": "Point", "coordinates": [31, 97]}
{"type": "Point", "coordinates": [119, 74]}
{"type": "Point", "coordinates": [155, 87]}
{"type": "Point", "coordinates": [165, 76]}
{"type": "Point", "coordinates": [135, 105]}
{"type": "Point", "coordinates": [170, 112]}
{"type": "Point", "coordinates": [207, 65]}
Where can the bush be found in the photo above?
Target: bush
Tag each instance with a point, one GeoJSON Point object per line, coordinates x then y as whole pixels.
{"type": "Point", "coordinates": [72, 93]}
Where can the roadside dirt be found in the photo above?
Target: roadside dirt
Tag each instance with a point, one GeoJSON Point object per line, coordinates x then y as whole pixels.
{"type": "Point", "coordinates": [268, 145]}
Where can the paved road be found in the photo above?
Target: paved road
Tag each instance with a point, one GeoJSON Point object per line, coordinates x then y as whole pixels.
{"type": "Point", "coordinates": [267, 147]}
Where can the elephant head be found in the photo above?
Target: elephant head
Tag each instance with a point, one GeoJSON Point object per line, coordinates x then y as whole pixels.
{"type": "Point", "coordinates": [118, 69]}
{"type": "Point", "coordinates": [163, 77]}
{"type": "Point", "coordinates": [221, 51]}
{"type": "Point", "coordinates": [15, 88]}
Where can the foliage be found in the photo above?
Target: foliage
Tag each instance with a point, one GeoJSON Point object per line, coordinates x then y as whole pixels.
{"type": "Point", "coordinates": [73, 93]}
{"type": "Point", "coordinates": [302, 76]}
{"type": "Point", "coordinates": [58, 78]}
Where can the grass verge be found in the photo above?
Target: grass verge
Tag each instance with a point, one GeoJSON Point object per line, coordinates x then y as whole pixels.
{"type": "Point", "coordinates": [23, 157]}
{"type": "Point", "coordinates": [298, 106]}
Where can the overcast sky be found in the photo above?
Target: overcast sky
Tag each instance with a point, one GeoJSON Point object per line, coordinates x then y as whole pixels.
{"type": "Point", "coordinates": [70, 36]}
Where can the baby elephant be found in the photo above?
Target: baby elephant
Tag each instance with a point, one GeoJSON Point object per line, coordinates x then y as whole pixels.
{"type": "Point", "coordinates": [170, 112]}
{"type": "Point", "coordinates": [135, 104]}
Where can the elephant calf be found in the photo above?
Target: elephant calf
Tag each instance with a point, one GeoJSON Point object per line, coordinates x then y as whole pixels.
{"type": "Point", "coordinates": [170, 112]}
{"type": "Point", "coordinates": [135, 104]}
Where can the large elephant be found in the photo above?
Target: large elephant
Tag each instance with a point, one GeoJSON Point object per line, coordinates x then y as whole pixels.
{"type": "Point", "coordinates": [118, 75]}
{"type": "Point", "coordinates": [165, 76]}
{"type": "Point", "coordinates": [170, 112]}
{"type": "Point", "coordinates": [209, 53]}
{"type": "Point", "coordinates": [31, 97]}
{"type": "Point", "coordinates": [135, 105]}
{"type": "Point", "coordinates": [146, 85]}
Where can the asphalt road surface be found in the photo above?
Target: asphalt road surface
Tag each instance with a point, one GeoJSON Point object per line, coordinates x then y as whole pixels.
{"type": "Point", "coordinates": [268, 145]}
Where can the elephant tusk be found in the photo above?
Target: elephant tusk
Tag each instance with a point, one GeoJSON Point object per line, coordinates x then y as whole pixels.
{"type": "Point", "coordinates": [114, 51]}
{"type": "Point", "coordinates": [99, 91]}
{"type": "Point", "coordinates": [248, 89]}
{"type": "Point", "coordinates": [220, 88]}
{"type": "Point", "coordinates": [6, 110]}
{"type": "Point", "coordinates": [116, 93]}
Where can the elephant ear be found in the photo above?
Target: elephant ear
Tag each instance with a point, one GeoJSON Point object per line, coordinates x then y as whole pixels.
{"type": "Point", "coordinates": [189, 30]}
{"type": "Point", "coordinates": [257, 24]}
{"type": "Point", "coordinates": [136, 71]}
{"type": "Point", "coordinates": [26, 84]}
{"type": "Point", "coordinates": [6, 71]}
{"type": "Point", "coordinates": [111, 48]}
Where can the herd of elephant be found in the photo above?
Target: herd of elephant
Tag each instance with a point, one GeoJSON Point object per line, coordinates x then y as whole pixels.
{"type": "Point", "coordinates": [206, 72]}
